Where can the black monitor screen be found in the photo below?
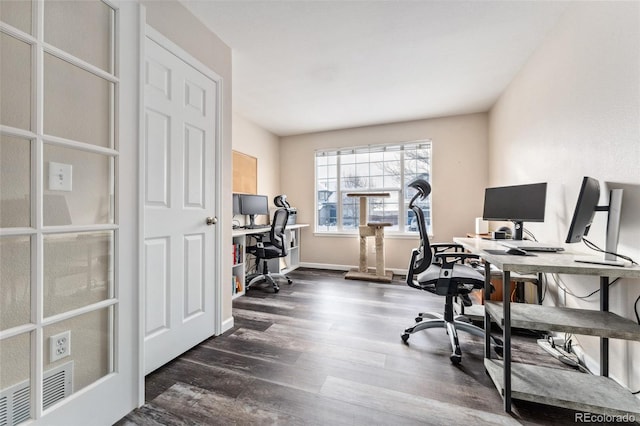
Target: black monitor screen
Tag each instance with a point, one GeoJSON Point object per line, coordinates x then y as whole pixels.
{"type": "Point", "coordinates": [254, 204]}
{"type": "Point", "coordinates": [518, 203]}
{"type": "Point", "coordinates": [236, 204]}
{"type": "Point", "coordinates": [585, 210]}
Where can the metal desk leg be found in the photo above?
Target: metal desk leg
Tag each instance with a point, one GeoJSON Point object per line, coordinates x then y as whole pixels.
{"type": "Point", "coordinates": [604, 342]}
{"type": "Point", "coordinates": [487, 318]}
{"type": "Point", "coordinates": [506, 338]}
{"type": "Point", "coordinates": [539, 288]}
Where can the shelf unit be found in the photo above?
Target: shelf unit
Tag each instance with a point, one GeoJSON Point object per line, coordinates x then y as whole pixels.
{"type": "Point", "coordinates": [564, 388]}
{"type": "Point", "coordinates": [238, 265]}
{"type": "Point", "coordinates": [282, 265]}
{"type": "Point", "coordinates": [291, 261]}
{"type": "Point", "coordinates": [598, 394]}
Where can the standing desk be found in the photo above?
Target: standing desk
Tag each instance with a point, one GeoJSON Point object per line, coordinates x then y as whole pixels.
{"type": "Point", "coordinates": [563, 388]}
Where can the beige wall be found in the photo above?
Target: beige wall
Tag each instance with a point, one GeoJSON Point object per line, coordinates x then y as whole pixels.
{"type": "Point", "coordinates": [253, 140]}
{"type": "Point", "coordinates": [176, 23]}
{"type": "Point", "coordinates": [459, 177]}
{"type": "Point", "coordinates": [574, 111]}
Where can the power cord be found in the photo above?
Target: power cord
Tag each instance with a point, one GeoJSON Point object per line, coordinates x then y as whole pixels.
{"type": "Point", "coordinates": [594, 247]}
{"type": "Point", "coordinates": [529, 233]}
{"type": "Point", "coordinates": [566, 290]}
{"type": "Point", "coordinates": [545, 286]}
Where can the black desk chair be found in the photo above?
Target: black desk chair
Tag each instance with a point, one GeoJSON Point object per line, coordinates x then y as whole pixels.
{"type": "Point", "coordinates": [275, 247]}
{"type": "Point", "coordinates": [440, 269]}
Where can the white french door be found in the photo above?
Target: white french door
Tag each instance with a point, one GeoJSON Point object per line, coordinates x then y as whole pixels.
{"type": "Point", "coordinates": [180, 138]}
{"type": "Point", "coordinates": [65, 304]}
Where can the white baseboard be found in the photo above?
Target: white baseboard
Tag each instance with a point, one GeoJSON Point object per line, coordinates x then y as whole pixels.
{"type": "Point", "coordinates": [345, 268]}
{"type": "Point", "coordinates": [227, 325]}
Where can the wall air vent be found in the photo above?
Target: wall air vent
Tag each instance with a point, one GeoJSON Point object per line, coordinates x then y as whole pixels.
{"type": "Point", "coordinates": [15, 401]}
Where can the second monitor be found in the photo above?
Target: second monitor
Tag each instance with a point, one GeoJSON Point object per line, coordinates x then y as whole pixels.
{"type": "Point", "coordinates": [518, 203]}
{"type": "Point", "coordinates": [253, 205]}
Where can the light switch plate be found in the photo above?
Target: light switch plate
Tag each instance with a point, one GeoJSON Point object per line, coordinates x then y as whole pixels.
{"type": "Point", "coordinates": [60, 176]}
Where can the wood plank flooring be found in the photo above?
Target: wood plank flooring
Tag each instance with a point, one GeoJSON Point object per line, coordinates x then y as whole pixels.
{"type": "Point", "coordinates": [327, 351]}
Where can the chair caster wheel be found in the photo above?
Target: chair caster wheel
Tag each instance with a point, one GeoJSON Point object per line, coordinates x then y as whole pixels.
{"type": "Point", "coordinates": [455, 359]}
{"type": "Point", "coordinates": [405, 337]}
{"type": "Point", "coordinates": [418, 319]}
{"type": "Point", "coordinates": [275, 290]}
{"type": "Point", "coordinates": [289, 281]}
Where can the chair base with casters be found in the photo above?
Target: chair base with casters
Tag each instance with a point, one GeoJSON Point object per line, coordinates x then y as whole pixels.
{"type": "Point", "coordinates": [428, 320]}
{"type": "Point", "coordinates": [266, 276]}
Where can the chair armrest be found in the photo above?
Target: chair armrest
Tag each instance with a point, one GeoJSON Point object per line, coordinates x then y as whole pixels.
{"type": "Point", "coordinates": [456, 256]}
{"type": "Point", "coordinates": [440, 247]}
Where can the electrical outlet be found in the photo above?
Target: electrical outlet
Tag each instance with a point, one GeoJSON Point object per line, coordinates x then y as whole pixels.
{"type": "Point", "coordinates": [60, 346]}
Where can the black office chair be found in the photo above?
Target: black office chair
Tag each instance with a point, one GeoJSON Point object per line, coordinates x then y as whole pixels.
{"type": "Point", "coordinates": [275, 247]}
{"type": "Point", "coordinates": [439, 270]}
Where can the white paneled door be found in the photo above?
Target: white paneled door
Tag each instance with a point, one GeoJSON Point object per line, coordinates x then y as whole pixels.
{"type": "Point", "coordinates": [180, 133]}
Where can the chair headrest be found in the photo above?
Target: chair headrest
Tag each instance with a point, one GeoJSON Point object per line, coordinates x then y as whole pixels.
{"type": "Point", "coordinates": [422, 186]}
{"type": "Point", "coordinates": [281, 201]}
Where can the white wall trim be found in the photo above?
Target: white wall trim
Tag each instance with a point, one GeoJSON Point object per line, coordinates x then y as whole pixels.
{"type": "Point", "coordinates": [333, 267]}
{"type": "Point", "coordinates": [159, 38]}
{"type": "Point", "coordinates": [142, 22]}
{"type": "Point", "coordinates": [227, 325]}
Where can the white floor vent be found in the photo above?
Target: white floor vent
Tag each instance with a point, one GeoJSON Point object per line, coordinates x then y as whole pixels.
{"type": "Point", "coordinates": [15, 401]}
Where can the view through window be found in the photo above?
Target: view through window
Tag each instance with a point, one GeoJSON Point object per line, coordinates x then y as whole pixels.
{"type": "Point", "coordinates": [374, 168]}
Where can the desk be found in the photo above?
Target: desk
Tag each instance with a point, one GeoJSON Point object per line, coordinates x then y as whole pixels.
{"type": "Point", "coordinates": [281, 265]}
{"type": "Point", "coordinates": [569, 389]}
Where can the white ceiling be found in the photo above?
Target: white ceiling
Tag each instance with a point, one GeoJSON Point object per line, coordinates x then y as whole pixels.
{"type": "Point", "coordinates": [307, 66]}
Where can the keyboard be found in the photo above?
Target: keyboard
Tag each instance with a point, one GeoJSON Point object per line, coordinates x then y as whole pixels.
{"type": "Point", "coordinates": [257, 227]}
{"type": "Point", "coordinates": [528, 245]}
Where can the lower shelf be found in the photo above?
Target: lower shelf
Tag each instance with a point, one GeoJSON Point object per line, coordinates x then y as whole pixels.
{"type": "Point", "coordinates": [565, 388]}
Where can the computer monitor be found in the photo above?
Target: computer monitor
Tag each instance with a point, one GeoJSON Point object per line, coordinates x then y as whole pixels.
{"type": "Point", "coordinates": [236, 204]}
{"type": "Point", "coordinates": [253, 205]}
{"type": "Point", "coordinates": [517, 203]}
{"type": "Point", "coordinates": [585, 210]}
{"type": "Point", "coordinates": [583, 214]}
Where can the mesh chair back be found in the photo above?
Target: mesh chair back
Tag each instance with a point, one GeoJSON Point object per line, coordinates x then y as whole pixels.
{"type": "Point", "coordinates": [424, 256]}
{"type": "Point", "coordinates": [278, 226]}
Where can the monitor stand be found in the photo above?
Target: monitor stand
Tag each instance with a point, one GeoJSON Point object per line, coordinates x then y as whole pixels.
{"type": "Point", "coordinates": [252, 222]}
{"type": "Point", "coordinates": [596, 261]}
{"type": "Point", "coordinates": [517, 230]}
{"type": "Point", "coordinates": [614, 210]}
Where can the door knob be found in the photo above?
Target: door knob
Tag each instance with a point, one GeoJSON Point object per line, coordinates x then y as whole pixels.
{"type": "Point", "coordinates": [212, 220]}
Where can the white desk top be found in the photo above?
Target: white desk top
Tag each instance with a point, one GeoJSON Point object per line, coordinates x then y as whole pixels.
{"type": "Point", "coordinates": [561, 262]}
{"type": "Point", "coordinates": [243, 231]}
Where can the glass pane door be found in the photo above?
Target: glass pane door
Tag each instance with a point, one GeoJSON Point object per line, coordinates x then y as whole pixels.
{"type": "Point", "coordinates": [58, 227]}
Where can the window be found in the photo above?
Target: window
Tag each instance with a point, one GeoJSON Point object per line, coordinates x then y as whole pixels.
{"type": "Point", "coordinates": [375, 168]}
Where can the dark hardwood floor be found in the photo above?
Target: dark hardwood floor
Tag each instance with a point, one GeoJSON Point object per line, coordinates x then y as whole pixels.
{"type": "Point", "coordinates": [327, 351]}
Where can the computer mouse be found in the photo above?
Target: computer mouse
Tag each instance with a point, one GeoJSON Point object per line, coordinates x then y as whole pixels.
{"type": "Point", "coordinates": [516, 251]}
